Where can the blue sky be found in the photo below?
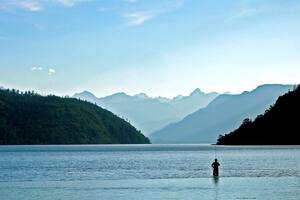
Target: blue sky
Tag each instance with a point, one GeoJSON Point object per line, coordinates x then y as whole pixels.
{"type": "Point", "coordinates": [160, 47]}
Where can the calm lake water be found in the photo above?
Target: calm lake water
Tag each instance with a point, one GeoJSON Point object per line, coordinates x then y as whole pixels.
{"type": "Point", "coordinates": [148, 172]}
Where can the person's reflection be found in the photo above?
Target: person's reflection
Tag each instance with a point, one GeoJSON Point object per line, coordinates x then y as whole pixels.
{"type": "Point", "coordinates": [216, 180]}
{"type": "Point", "coordinates": [215, 187]}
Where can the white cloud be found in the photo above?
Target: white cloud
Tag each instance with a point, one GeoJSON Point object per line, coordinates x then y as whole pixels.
{"type": "Point", "coordinates": [28, 5]}
{"type": "Point", "coordinates": [70, 3]}
{"type": "Point", "coordinates": [66, 2]}
{"type": "Point", "coordinates": [36, 69]}
{"type": "Point", "coordinates": [33, 6]}
{"type": "Point", "coordinates": [51, 71]}
{"type": "Point", "coordinates": [242, 13]}
{"type": "Point", "coordinates": [138, 18]}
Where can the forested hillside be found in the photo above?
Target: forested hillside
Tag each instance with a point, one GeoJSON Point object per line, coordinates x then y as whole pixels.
{"type": "Point", "coordinates": [29, 118]}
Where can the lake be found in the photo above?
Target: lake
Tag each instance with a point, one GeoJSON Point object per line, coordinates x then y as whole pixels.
{"type": "Point", "coordinates": [145, 172]}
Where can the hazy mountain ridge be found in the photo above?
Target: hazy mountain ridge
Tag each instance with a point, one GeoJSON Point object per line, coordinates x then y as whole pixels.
{"type": "Point", "coordinates": [222, 115]}
{"type": "Point", "coordinates": [279, 125]}
{"type": "Point", "coordinates": [147, 113]}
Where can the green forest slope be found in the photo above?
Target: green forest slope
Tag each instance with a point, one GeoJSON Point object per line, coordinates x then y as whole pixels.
{"type": "Point", "coordinates": [28, 118]}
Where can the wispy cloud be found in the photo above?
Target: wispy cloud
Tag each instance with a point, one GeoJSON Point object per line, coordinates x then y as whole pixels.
{"type": "Point", "coordinates": [69, 3]}
{"type": "Point", "coordinates": [51, 71]}
{"type": "Point", "coordinates": [138, 18]}
{"type": "Point", "coordinates": [28, 5]}
{"type": "Point", "coordinates": [135, 13]}
{"type": "Point", "coordinates": [243, 13]}
{"type": "Point", "coordinates": [36, 69]}
{"type": "Point", "coordinates": [35, 5]}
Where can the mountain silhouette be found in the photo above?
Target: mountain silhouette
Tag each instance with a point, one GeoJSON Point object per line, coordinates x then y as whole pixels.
{"type": "Point", "coordinates": [222, 115]}
{"type": "Point", "coordinates": [150, 114]}
{"type": "Point", "coordinates": [279, 125]}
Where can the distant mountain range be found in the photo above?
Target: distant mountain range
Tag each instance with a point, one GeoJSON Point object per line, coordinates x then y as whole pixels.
{"type": "Point", "coordinates": [151, 114]}
{"type": "Point", "coordinates": [224, 114]}
{"type": "Point", "coordinates": [29, 118]}
{"type": "Point", "coordinates": [279, 125]}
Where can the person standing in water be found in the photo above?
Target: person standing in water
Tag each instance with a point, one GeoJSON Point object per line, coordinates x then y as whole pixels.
{"type": "Point", "coordinates": [215, 165]}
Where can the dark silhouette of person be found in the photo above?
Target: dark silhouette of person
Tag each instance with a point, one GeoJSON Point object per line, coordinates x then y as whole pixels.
{"type": "Point", "coordinates": [215, 165]}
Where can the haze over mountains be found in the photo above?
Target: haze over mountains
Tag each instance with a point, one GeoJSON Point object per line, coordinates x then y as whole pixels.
{"type": "Point", "coordinates": [197, 118]}
{"type": "Point", "coordinates": [150, 114]}
{"type": "Point", "coordinates": [224, 114]}
{"type": "Point", "coordinates": [279, 125]}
